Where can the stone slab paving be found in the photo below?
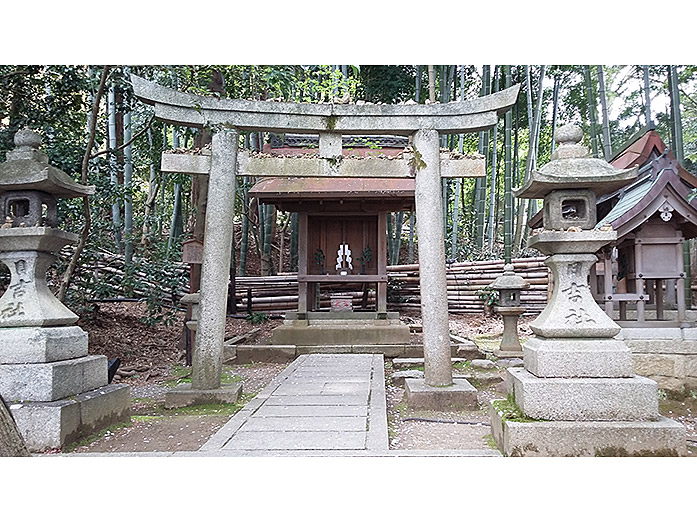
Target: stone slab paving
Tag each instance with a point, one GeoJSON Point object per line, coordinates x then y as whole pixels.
{"type": "Point", "coordinates": [319, 403]}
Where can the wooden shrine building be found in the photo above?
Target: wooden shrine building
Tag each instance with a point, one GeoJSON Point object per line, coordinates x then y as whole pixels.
{"type": "Point", "coordinates": [653, 218]}
{"type": "Point", "coordinates": [342, 236]}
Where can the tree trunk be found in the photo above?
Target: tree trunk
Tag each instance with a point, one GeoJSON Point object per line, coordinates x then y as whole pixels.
{"type": "Point", "coordinates": [591, 109]}
{"type": "Point", "coordinates": [491, 230]}
{"type": "Point", "coordinates": [555, 107]}
{"type": "Point", "coordinates": [417, 87]}
{"type": "Point", "coordinates": [530, 206]}
{"type": "Point", "coordinates": [150, 201]}
{"type": "Point", "coordinates": [607, 143]}
{"type": "Point", "coordinates": [84, 178]}
{"type": "Point", "coordinates": [11, 442]}
{"type": "Point", "coordinates": [647, 94]}
{"type": "Point", "coordinates": [113, 168]}
{"type": "Point", "coordinates": [480, 183]}
{"type": "Point", "coordinates": [508, 179]}
{"type": "Point", "coordinates": [431, 84]}
{"type": "Point", "coordinates": [128, 189]}
{"type": "Point", "coordinates": [679, 152]}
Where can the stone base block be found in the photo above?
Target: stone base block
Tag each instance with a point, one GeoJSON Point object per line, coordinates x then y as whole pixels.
{"type": "Point", "coordinates": [183, 395]}
{"type": "Point", "coordinates": [358, 332]}
{"type": "Point", "coordinates": [584, 399]}
{"type": "Point", "coordinates": [41, 344]}
{"type": "Point", "coordinates": [45, 425]}
{"type": "Point", "coordinates": [508, 354]}
{"type": "Point", "coordinates": [460, 395]}
{"type": "Point", "coordinates": [52, 381]}
{"type": "Point", "coordinates": [570, 358]}
{"type": "Point", "coordinates": [662, 437]}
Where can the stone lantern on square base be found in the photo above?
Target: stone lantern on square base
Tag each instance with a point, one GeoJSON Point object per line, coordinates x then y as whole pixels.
{"type": "Point", "coordinates": [57, 393]}
{"type": "Point", "coordinates": [509, 287]}
{"type": "Point", "coordinates": [577, 391]}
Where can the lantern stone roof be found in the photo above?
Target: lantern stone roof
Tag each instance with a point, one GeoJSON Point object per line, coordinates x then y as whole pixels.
{"type": "Point", "coordinates": [27, 168]}
{"type": "Point", "coordinates": [509, 280]}
{"type": "Point", "coordinates": [572, 168]}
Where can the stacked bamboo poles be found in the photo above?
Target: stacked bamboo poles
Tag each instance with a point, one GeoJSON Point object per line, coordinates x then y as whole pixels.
{"type": "Point", "coordinates": [466, 279]}
{"type": "Point", "coordinates": [279, 293]}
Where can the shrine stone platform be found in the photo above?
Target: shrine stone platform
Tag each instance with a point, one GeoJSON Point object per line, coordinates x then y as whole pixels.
{"type": "Point", "coordinates": [341, 328]}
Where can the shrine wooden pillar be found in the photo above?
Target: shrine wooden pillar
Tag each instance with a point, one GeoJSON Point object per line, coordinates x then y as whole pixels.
{"type": "Point", "coordinates": [382, 265]}
{"type": "Point", "coordinates": [302, 265]}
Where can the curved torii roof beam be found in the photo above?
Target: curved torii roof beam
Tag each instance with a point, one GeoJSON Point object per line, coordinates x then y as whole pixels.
{"type": "Point", "coordinates": [191, 110]}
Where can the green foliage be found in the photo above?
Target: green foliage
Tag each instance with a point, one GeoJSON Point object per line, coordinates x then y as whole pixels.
{"type": "Point", "coordinates": [489, 296]}
{"type": "Point", "coordinates": [257, 318]}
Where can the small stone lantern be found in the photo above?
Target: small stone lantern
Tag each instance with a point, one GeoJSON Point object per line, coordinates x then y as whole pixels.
{"type": "Point", "coordinates": [509, 286]}
{"type": "Point", "coordinates": [57, 392]}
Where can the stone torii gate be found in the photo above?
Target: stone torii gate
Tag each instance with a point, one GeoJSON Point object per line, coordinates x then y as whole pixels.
{"type": "Point", "coordinates": [227, 118]}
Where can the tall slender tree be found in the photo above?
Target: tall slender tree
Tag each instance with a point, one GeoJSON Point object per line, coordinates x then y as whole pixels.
{"type": "Point", "coordinates": [607, 143]}
{"type": "Point", "coordinates": [491, 227]}
{"type": "Point", "coordinates": [128, 188]}
{"type": "Point", "coordinates": [480, 183]}
{"type": "Point", "coordinates": [591, 109]}
{"type": "Point", "coordinates": [647, 94]}
{"type": "Point", "coordinates": [113, 169]}
{"type": "Point", "coordinates": [508, 177]}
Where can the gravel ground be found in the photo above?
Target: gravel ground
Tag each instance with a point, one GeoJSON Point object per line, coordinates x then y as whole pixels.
{"type": "Point", "coordinates": [410, 434]}
{"type": "Point", "coordinates": [155, 429]}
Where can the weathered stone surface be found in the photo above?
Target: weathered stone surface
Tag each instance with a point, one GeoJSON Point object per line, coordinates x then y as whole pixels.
{"type": "Point", "coordinates": [270, 353]}
{"type": "Point", "coordinates": [512, 362]}
{"type": "Point", "coordinates": [28, 301]}
{"type": "Point", "coordinates": [483, 364]}
{"type": "Point", "coordinates": [27, 168]}
{"type": "Point", "coordinates": [292, 440]}
{"type": "Point", "coordinates": [399, 376]}
{"type": "Point", "coordinates": [53, 424]}
{"type": "Point", "coordinates": [662, 437]}
{"type": "Point", "coordinates": [575, 357]}
{"type": "Point", "coordinates": [41, 344]}
{"type": "Point", "coordinates": [344, 332]}
{"type": "Point", "coordinates": [584, 399]}
{"type": "Point", "coordinates": [183, 395]}
{"type": "Point", "coordinates": [305, 424]}
{"type": "Point", "coordinates": [52, 381]}
{"type": "Point", "coordinates": [454, 117]}
{"type": "Point", "coordinates": [434, 302]}
{"type": "Point", "coordinates": [210, 332]}
{"type": "Point", "coordinates": [572, 311]}
{"type": "Point", "coordinates": [404, 363]}
{"type": "Point", "coordinates": [657, 364]}
{"type": "Point", "coordinates": [459, 395]}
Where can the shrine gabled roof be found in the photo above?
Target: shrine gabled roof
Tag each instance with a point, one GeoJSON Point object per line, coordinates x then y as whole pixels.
{"type": "Point", "coordinates": [278, 189]}
{"type": "Point", "coordinates": [644, 149]}
{"type": "Point", "coordinates": [642, 200]}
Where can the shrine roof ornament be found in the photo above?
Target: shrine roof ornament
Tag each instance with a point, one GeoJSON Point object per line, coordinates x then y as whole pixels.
{"type": "Point", "coordinates": [247, 115]}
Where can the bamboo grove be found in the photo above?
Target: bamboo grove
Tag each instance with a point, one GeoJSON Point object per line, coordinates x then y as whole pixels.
{"type": "Point", "coordinates": [93, 128]}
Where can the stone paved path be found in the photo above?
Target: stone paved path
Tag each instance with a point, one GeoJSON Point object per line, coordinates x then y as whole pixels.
{"type": "Point", "coordinates": [320, 405]}
{"type": "Point", "coordinates": [321, 402]}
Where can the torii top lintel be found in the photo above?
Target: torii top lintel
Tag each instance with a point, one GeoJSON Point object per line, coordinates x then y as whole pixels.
{"type": "Point", "coordinates": [465, 116]}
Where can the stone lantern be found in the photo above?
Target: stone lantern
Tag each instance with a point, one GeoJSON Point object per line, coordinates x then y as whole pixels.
{"type": "Point", "coordinates": [509, 286]}
{"type": "Point", "coordinates": [56, 391]}
{"type": "Point", "coordinates": [577, 389]}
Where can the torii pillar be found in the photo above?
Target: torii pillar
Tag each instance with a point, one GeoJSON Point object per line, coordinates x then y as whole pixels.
{"type": "Point", "coordinates": [207, 358]}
